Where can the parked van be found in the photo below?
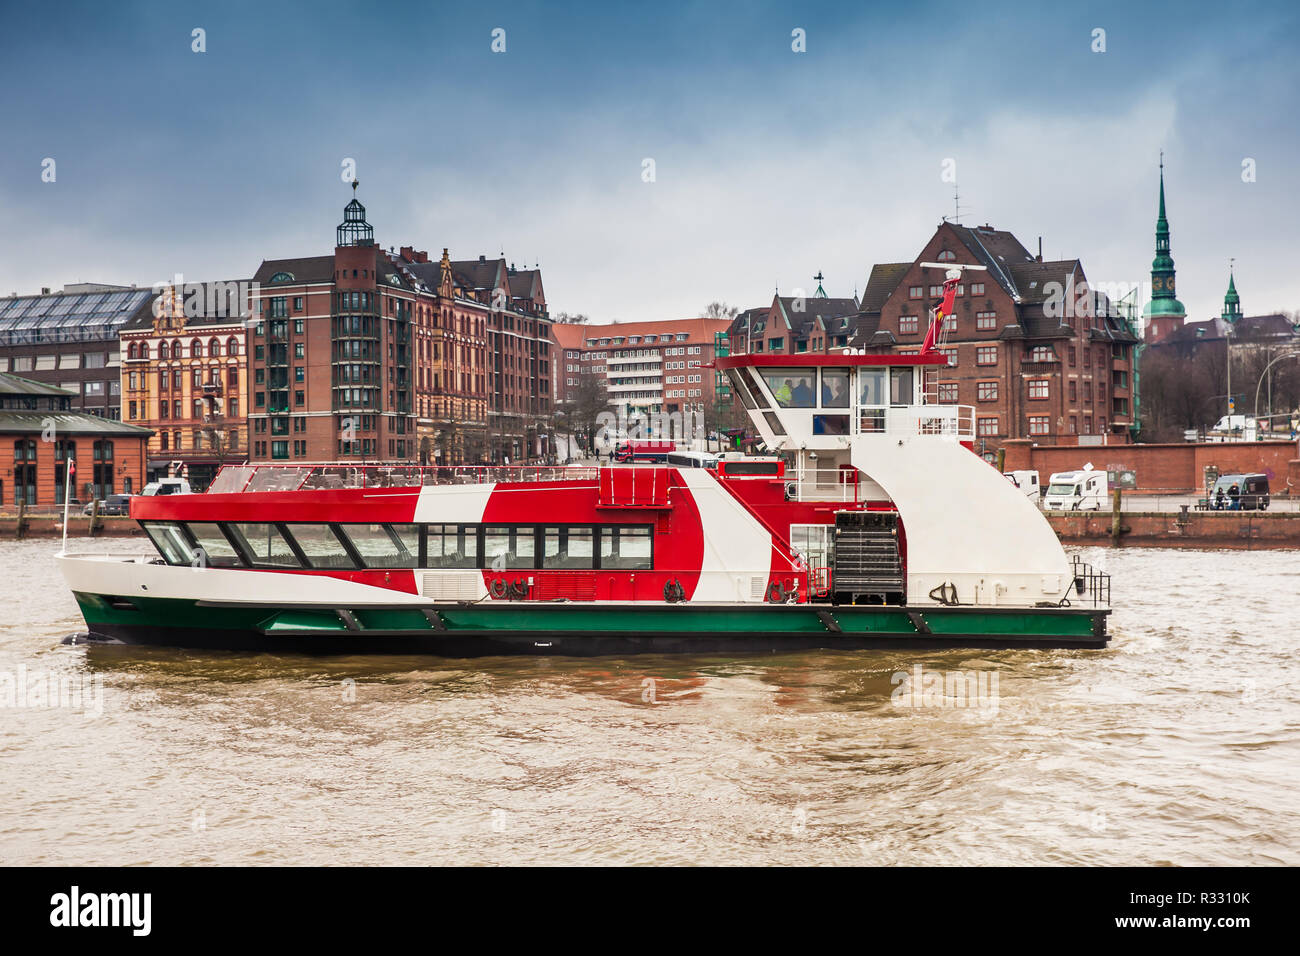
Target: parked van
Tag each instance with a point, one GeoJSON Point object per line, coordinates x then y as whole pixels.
{"type": "Point", "coordinates": [1027, 482]}
{"type": "Point", "coordinates": [168, 486]}
{"type": "Point", "coordinates": [1083, 490]}
{"type": "Point", "coordinates": [1240, 493]}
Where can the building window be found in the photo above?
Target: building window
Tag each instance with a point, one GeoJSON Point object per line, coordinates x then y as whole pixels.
{"type": "Point", "coordinates": [1074, 424]}
{"type": "Point", "coordinates": [986, 321]}
{"type": "Point", "coordinates": [1039, 424]}
{"type": "Point", "coordinates": [986, 427]}
{"type": "Point", "coordinates": [1042, 353]}
{"type": "Point", "coordinates": [977, 288]}
{"type": "Point", "coordinates": [986, 355]}
{"type": "Point", "coordinates": [907, 324]}
{"type": "Point", "coordinates": [1074, 392]}
{"type": "Point", "coordinates": [987, 391]}
{"type": "Point", "coordinates": [947, 393]}
{"type": "Point", "coordinates": [1039, 388]}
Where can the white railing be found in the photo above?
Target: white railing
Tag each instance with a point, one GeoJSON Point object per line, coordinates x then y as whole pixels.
{"type": "Point", "coordinates": [947, 421]}
{"type": "Point", "coordinates": [823, 484]}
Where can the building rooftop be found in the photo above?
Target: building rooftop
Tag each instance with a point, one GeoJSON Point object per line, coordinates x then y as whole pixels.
{"type": "Point", "coordinates": [70, 316]}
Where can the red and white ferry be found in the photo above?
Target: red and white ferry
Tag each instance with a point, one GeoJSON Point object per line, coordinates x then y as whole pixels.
{"type": "Point", "coordinates": [872, 523]}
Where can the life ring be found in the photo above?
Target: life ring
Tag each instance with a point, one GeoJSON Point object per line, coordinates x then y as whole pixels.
{"type": "Point", "coordinates": [519, 590]}
{"type": "Point", "coordinates": [674, 592]}
{"type": "Point", "coordinates": [498, 588]}
{"type": "Point", "coordinates": [776, 594]}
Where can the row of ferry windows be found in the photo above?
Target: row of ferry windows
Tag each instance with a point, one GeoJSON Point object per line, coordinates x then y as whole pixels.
{"type": "Point", "coordinates": [237, 544]}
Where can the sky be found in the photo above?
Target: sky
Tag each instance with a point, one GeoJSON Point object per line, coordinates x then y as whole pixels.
{"type": "Point", "coordinates": [769, 165]}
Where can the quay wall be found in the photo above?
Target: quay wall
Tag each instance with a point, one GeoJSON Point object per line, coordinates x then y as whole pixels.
{"type": "Point", "coordinates": [1166, 468]}
{"type": "Point", "coordinates": [1237, 530]}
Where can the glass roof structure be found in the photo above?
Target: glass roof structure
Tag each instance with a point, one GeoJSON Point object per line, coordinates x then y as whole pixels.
{"type": "Point", "coordinates": [68, 317]}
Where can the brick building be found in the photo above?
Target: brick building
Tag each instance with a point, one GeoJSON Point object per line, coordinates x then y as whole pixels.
{"type": "Point", "coordinates": [40, 430]}
{"type": "Point", "coordinates": [184, 376]}
{"type": "Point", "coordinates": [792, 325]}
{"type": "Point", "coordinates": [331, 354]}
{"type": "Point", "coordinates": [1033, 350]}
{"type": "Point", "coordinates": [70, 339]}
{"type": "Point", "coordinates": [647, 367]}
{"type": "Point", "coordinates": [520, 405]}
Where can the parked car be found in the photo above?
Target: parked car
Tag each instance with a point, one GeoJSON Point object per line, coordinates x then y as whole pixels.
{"type": "Point", "coordinates": [112, 505]}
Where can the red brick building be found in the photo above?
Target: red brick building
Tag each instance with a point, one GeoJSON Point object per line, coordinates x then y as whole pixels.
{"type": "Point", "coordinates": [792, 325]}
{"type": "Point", "coordinates": [648, 367]}
{"type": "Point", "coordinates": [331, 354]}
{"type": "Point", "coordinates": [1033, 350]}
{"type": "Point", "coordinates": [40, 432]}
{"type": "Point", "coordinates": [184, 376]}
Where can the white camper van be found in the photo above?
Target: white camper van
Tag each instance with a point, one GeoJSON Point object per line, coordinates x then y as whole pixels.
{"type": "Point", "coordinates": [168, 486]}
{"type": "Point", "coordinates": [1027, 482]}
{"type": "Point", "coordinates": [1083, 490]}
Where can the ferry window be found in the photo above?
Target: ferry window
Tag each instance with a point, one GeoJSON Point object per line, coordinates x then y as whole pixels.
{"type": "Point", "coordinates": [871, 386]}
{"type": "Point", "coordinates": [835, 388]}
{"type": "Point", "coordinates": [567, 548]}
{"type": "Point", "coordinates": [734, 468]}
{"type": "Point", "coordinates": [737, 378]}
{"type": "Point", "coordinates": [900, 386]}
{"type": "Point", "coordinates": [321, 545]}
{"type": "Point", "coordinates": [215, 545]}
{"type": "Point", "coordinates": [626, 547]}
{"type": "Point", "coordinates": [263, 542]}
{"type": "Point", "coordinates": [452, 546]}
{"type": "Point", "coordinates": [774, 423]}
{"type": "Point", "coordinates": [508, 547]}
{"type": "Point", "coordinates": [830, 424]}
{"type": "Point", "coordinates": [792, 388]}
{"type": "Point", "coordinates": [170, 542]}
{"type": "Point", "coordinates": [384, 546]}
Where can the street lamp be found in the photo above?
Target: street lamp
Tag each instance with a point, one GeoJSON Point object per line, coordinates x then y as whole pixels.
{"type": "Point", "coordinates": [1284, 355]}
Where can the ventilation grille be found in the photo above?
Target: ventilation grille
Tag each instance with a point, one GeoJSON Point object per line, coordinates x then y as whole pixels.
{"type": "Point", "coordinates": [452, 586]}
{"type": "Point", "coordinates": [757, 585]}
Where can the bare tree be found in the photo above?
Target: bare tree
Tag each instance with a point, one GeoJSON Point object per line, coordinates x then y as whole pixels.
{"type": "Point", "coordinates": [570, 318]}
{"type": "Point", "coordinates": [720, 310]}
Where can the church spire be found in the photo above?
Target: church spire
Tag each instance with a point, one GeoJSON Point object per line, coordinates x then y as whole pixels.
{"type": "Point", "coordinates": [1231, 301]}
{"type": "Point", "coordinates": [1164, 310]}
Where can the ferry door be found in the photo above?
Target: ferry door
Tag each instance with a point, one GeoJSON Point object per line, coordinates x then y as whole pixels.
{"type": "Point", "coordinates": [812, 542]}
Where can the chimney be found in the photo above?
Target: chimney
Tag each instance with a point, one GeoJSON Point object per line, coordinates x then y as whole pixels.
{"type": "Point", "coordinates": [408, 253]}
{"type": "Point", "coordinates": [422, 257]}
{"type": "Point", "coordinates": [1040, 248]}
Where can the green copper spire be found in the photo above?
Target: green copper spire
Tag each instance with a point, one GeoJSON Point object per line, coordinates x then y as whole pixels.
{"type": "Point", "coordinates": [1163, 301]}
{"type": "Point", "coordinates": [1231, 301]}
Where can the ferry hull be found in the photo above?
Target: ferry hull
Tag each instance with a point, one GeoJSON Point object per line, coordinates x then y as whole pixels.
{"type": "Point", "coordinates": [573, 629]}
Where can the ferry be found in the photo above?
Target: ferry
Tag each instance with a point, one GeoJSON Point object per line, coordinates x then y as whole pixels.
{"type": "Point", "coordinates": [870, 523]}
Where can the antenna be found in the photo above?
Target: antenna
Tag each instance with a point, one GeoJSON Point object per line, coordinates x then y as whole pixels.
{"type": "Point", "coordinates": [956, 205]}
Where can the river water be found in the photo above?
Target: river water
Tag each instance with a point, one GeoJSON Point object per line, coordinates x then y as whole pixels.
{"type": "Point", "coordinates": [1180, 744]}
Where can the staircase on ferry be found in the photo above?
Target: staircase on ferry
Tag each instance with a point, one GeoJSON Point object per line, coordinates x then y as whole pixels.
{"type": "Point", "coordinates": [868, 567]}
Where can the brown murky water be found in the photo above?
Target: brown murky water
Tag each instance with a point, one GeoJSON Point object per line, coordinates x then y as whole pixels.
{"type": "Point", "coordinates": [1179, 744]}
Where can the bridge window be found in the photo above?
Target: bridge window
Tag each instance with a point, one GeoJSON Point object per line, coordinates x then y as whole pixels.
{"type": "Point", "coordinates": [871, 386]}
{"type": "Point", "coordinates": [791, 387]}
{"type": "Point", "coordinates": [835, 388]}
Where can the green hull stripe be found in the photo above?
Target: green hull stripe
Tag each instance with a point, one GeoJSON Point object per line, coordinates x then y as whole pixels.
{"type": "Point", "coordinates": [575, 619]}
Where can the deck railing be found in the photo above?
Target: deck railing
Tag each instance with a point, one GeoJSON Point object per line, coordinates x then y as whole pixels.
{"type": "Point", "coordinates": [949, 421]}
{"type": "Point", "coordinates": [237, 478]}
